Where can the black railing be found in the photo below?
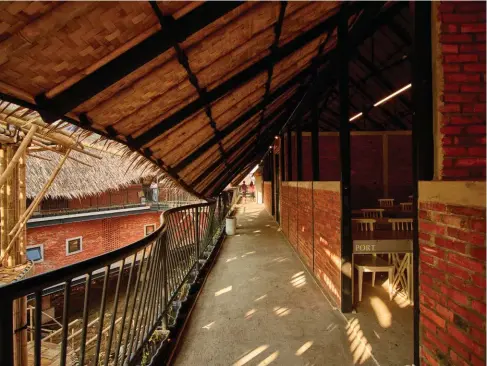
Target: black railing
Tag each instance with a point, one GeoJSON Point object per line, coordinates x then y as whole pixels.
{"type": "Point", "coordinates": [125, 297]}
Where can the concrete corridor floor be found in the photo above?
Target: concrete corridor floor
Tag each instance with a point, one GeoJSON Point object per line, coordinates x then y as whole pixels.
{"type": "Point", "coordinates": [260, 306]}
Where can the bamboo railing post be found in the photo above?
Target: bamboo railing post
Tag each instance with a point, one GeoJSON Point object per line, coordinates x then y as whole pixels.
{"type": "Point", "coordinates": [15, 158]}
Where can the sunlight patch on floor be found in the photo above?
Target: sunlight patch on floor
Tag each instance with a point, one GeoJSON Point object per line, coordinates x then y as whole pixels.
{"type": "Point", "coordinates": [223, 290]}
{"type": "Point", "coordinates": [304, 348]}
{"type": "Point", "coordinates": [281, 311]}
{"type": "Point", "coordinates": [272, 357]}
{"type": "Point", "coordinates": [251, 355]}
{"type": "Point", "coordinates": [208, 326]}
{"type": "Point", "coordinates": [261, 297]}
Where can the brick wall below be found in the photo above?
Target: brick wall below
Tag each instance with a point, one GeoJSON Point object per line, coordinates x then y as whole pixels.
{"type": "Point", "coordinates": [268, 197]}
{"type": "Point", "coordinates": [311, 214]}
{"type": "Point", "coordinates": [99, 236]}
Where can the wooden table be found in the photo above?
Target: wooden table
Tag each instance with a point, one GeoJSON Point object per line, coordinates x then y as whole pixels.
{"type": "Point", "coordinates": [392, 243]}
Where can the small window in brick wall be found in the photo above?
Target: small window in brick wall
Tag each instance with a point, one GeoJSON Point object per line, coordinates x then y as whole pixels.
{"type": "Point", "coordinates": [149, 229]}
{"type": "Point", "coordinates": [74, 245]}
{"type": "Point", "coordinates": [35, 253]}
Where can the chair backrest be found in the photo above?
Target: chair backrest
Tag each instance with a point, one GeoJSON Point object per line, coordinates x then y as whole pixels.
{"type": "Point", "coordinates": [364, 224]}
{"type": "Point", "coordinates": [372, 212]}
{"type": "Point", "coordinates": [386, 202]}
{"type": "Point", "coordinates": [401, 224]}
{"type": "Point", "coordinates": [406, 206]}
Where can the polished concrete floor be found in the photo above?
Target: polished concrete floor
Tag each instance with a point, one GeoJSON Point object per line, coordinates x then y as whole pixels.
{"type": "Point", "coordinates": [260, 306]}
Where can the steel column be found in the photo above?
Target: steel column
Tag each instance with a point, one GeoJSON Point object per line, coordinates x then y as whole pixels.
{"type": "Point", "coordinates": [422, 135]}
{"type": "Point", "coordinates": [346, 230]}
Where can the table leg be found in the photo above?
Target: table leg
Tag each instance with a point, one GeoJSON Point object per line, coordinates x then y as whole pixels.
{"type": "Point", "coordinates": [360, 282]}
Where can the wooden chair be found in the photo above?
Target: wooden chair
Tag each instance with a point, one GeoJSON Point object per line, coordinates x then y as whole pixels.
{"type": "Point", "coordinates": [364, 224]}
{"type": "Point", "coordinates": [406, 206]}
{"type": "Point", "coordinates": [401, 224]}
{"type": "Point", "coordinates": [372, 212]}
{"type": "Point", "coordinates": [386, 202]}
{"type": "Point", "coordinates": [371, 263]}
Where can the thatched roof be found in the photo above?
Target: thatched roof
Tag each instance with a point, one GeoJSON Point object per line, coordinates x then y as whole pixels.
{"type": "Point", "coordinates": [200, 88]}
{"type": "Point", "coordinates": [76, 180]}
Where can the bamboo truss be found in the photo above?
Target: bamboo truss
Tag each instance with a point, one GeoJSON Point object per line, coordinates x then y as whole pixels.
{"type": "Point", "coordinates": [17, 138]}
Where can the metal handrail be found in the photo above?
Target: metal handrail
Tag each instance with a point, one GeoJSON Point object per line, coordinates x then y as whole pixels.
{"type": "Point", "coordinates": [157, 266]}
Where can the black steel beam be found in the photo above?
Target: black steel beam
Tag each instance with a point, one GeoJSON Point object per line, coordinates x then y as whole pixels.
{"type": "Point", "coordinates": [381, 79]}
{"type": "Point", "coordinates": [422, 136]}
{"type": "Point", "coordinates": [289, 156]}
{"type": "Point", "coordinates": [243, 77]}
{"type": "Point", "coordinates": [230, 152]}
{"type": "Point", "coordinates": [345, 162]}
{"type": "Point", "coordinates": [270, 67]}
{"type": "Point", "coordinates": [299, 151]}
{"type": "Point", "coordinates": [315, 139]}
{"type": "Point", "coordinates": [134, 58]}
{"type": "Point", "coordinates": [168, 24]}
{"type": "Point", "coordinates": [239, 122]}
{"type": "Point", "coordinates": [281, 157]}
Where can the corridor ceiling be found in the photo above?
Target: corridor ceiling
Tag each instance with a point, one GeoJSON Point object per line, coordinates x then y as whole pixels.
{"type": "Point", "coordinates": [199, 88]}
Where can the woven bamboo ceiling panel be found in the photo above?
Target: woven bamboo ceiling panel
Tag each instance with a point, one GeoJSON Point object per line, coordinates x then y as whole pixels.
{"type": "Point", "coordinates": [198, 88]}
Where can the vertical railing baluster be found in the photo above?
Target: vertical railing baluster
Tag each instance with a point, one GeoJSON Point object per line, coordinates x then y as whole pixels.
{"type": "Point", "coordinates": [125, 308]}
{"type": "Point", "coordinates": [102, 314]}
{"type": "Point", "coordinates": [197, 236]}
{"type": "Point", "coordinates": [143, 295]}
{"type": "Point", "coordinates": [114, 314]}
{"type": "Point", "coordinates": [86, 312]}
{"type": "Point", "coordinates": [6, 332]}
{"type": "Point", "coordinates": [37, 330]}
{"type": "Point", "coordinates": [64, 339]}
{"type": "Point", "coordinates": [137, 285]}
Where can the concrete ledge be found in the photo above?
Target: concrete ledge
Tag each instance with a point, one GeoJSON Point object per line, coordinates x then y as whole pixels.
{"type": "Point", "coordinates": [307, 185]}
{"type": "Point", "coordinates": [461, 193]}
{"type": "Point", "coordinates": [269, 183]}
{"type": "Point", "coordinates": [333, 186]}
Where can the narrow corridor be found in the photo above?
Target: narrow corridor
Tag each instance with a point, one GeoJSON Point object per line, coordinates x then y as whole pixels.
{"type": "Point", "coordinates": [259, 306]}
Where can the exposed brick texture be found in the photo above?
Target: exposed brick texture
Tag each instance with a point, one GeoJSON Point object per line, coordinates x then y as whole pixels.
{"type": "Point", "coordinates": [316, 241]}
{"type": "Point", "coordinates": [367, 166]}
{"type": "Point", "coordinates": [268, 197]}
{"type": "Point", "coordinates": [327, 235]}
{"type": "Point", "coordinates": [99, 236]}
{"type": "Point", "coordinates": [367, 170]}
{"type": "Point", "coordinates": [452, 284]}
{"type": "Point", "coordinates": [400, 167]}
{"type": "Point", "coordinates": [462, 100]}
{"type": "Point", "coordinates": [305, 224]}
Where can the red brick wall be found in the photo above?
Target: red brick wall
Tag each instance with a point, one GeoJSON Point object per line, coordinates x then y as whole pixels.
{"type": "Point", "coordinates": [400, 169]}
{"type": "Point", "coordinates": [462, 102]}
{"type": "Point", "coordinates": [99, 236]}
{"type": "Point", "coordinates": [452, 234]}
{"type": "Point", "coordinates": [300, 203]}
{"type": "Point", "coordinates": [452, 284]}
{"type": "Point", "coordinates": [268, 197]}
{"type": "Point", "coordinates": [305, 222]}
{"type": "Point", "coordinates": [367, 170]}
{"type": "Point", "coordinates": [327, 235]}
{"type": "Point", "coordinates": [367, 166]}
{"type": "Point", "coordinates": [123, 196]}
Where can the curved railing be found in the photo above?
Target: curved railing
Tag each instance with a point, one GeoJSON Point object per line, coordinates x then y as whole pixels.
{"type": "Point", "coordinates": [121, 299]}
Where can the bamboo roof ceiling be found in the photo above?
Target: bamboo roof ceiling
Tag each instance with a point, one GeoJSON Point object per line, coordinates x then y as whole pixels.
{"type": "Point", "coordinates": [198, 88]}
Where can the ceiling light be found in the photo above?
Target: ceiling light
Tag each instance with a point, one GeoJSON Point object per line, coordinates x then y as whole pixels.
{"type": "Point", "coordinates": [355, 117]}
{"type": "Point", "coordinates": [392, 95]}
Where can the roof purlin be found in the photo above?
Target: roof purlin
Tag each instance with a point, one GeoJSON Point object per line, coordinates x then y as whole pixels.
{"type": "Point", "coordinates": [131, 60]}
{"type": "Point", "coordinates": [241, 78]}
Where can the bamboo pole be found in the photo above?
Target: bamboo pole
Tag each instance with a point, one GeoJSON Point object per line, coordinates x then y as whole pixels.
{"type": "Point", "coordinates": [57, 151]}
{"type": "Point", "coordinates": [3, 203]}
{"type": "Point", "coordinates": [15, 159]}
{"type": "Point", "coordinates": [45, 133]}
{"type": "Point", "coordinates": [28, 213]}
